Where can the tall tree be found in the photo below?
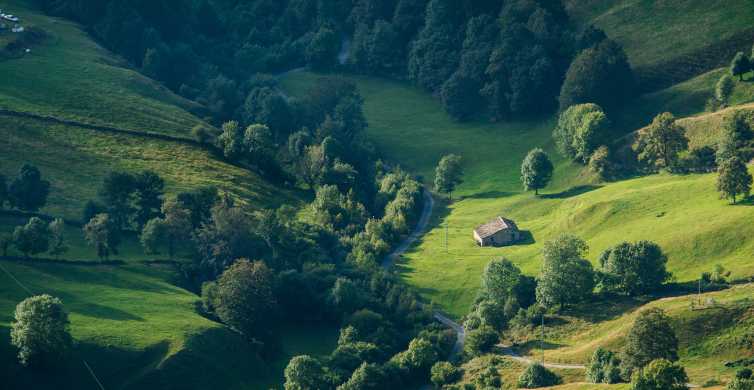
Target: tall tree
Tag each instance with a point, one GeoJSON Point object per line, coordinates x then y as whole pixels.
{"type": "Point", "coordinates": [581, 129]}
{"type": "Point", "coordinates": [500, 279]}
{"type": "Point", "coordinates": [117, 194]}
{"type": "Point", "coordinates": [149, 189]}
{"type": "Point", "coordinates": [434, 53]}
{"type": "Point", "coordinates": [659, 143]}
{"type": "Point", "coordinates": [40, 330]}
{"type": "Point", "coordinates": [448, 174]}
{"type": "Point", "coordinates": [103, 234]}
{"type": "Point", "coordinates": [733, 179]}
{"type": "Point", "coordinates": [736, 135]}
{"type": "Point", "coordinates": [58, 245]}
{"type": "Point", "coordinates": [536, 170]}
{"type": "Point", "coordinates": [28, 191]}
{"type": "Point", "coordinates": [32, 238]}
{"type": "Point", "coordinates": [650, 337]}
{"type": "Point", "coordinates": [566, 276]}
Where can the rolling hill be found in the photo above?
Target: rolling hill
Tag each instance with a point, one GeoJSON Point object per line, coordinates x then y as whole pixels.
{"type": "Point", "coordinates": [78, 112]}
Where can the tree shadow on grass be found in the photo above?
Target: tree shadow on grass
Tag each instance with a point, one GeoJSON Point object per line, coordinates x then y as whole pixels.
{"type": "Point", "coordinates": [571, 192]}
{"type": "Point", "coordinates": [488, 195]}
{"type": "Point", "coordinates": [535, 345]}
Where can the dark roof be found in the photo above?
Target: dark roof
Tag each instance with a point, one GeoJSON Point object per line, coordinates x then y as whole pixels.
{"type": "Point", "coordinates": [496, 225]}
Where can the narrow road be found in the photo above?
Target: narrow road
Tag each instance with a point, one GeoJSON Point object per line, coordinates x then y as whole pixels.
{"type": "Point", "coordinates": [418, 231]}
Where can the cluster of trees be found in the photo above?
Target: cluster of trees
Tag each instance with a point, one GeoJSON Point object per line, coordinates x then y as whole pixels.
{"type": "Point", "coordinates": [37, 236]}
{"type": "Point", "coordinates": [646, 360]}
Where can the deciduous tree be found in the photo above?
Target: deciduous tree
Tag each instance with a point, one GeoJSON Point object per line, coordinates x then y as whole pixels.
{"type": "Point", "coordinates": [103, 234]}
{"type": "Point", "coordinates": [651, 337]}
{"type": "Point", "coordinates": [659, 143]}
{"type": "Point", "coordinates": [634, 268]}
{"type": "Point", "coordinates": [733, 179]}
{"type": "Point", "coordinates": [28, 191]}
{"type": "Point", "coordinates": [536, 170]}
{"type": "Point", "coordinates": [740, 65]}
{"type": "Point", "coordinates": [448, 174]}
{"type": "Point", "coordinates": [58, 245]}
{"type": "Point", "coordinates": [40, 330]}
{"type": "Point", "coordinates": [32, 238]}
{"type": "Point", "coordinates": [566, 276]}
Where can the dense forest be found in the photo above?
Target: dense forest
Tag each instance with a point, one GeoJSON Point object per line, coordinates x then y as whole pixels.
{"type": "Point", "coordinates": [490, 58]}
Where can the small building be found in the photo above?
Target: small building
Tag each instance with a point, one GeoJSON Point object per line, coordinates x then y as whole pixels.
{"type": "Point", "coordinates": [498, 232]}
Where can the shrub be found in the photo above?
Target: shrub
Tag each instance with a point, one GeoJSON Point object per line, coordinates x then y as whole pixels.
{"type": "Point", "coordinates": [536, 376]}
{"type": "Point", "coordinates": [480, 340]}
{"type": "Point", "coordinates": [444, 373]}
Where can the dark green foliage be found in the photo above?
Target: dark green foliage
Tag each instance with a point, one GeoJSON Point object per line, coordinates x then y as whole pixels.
{"type": "Point", "coordinates": [660, 374]}
{"type": "Point", "coordinates": [91, 208]}
{"type": "Point", "coordinates": [347, 296]}
{"type": "Point", "coordinates": [740, 65]}
{"type": "Point", "coordinates": [480, 341]}
{"type": "Point", "coordinates": [634, 268]}
{"type": "Point", "coordinates": [488, 379]}
{"type": "Point", "coordinates": [600, 75]}
{"type": "Point", "coordinates": [323, 49]}
{"type": "Point", "coordinates": [500, 279]}
{"type": "Point", "coordinates": [117, 196]}
{"type": "Point", "coordinates": [149, 189]}
{"type": "Point", "coordinates": [536, 170]}
{"type": "Point", "coordinates": [417, 360]}
{"type": "Point", "coordinates": [3, 191]}
{"type": "Point", "coordinates": [265, 105]}
{"type": "Point", "coordinates": [535, 375]}
{"type": "Point", "coordinates": [724, 89]}
{"type": "Point", "coordinates": [702, 159]}
{"type": "Point", "coordinates": [377, 50]}
{"type": "Point", "coordinates": [231, 140]}
{"type": "Point", "coordinates": [460, 96]}
{"type": "Point", "coordinates": [603, 367]}
{"type": "Point", "coordinates": [581, 129]}
{"type": "Point", "coordinates": [651, 337]}
{"type": "Point", "coordinates": [337, 212]}
{"type": "Point", "coordinates": [566, 277]}
{"type": "Point", "coordinates": [444, 373]}
{"type": "Point", "coordinates": [40, 331]}
{"type": "Point", "coordinates": [103, 233]}
{"type": "Point", "coordinates": [32, 238]}
{"type": "Point", "coordinates": [199, 203]}
{"type": "Point", "coordinates": [733, 179]}
{"type": "Point", "coordinates": [242, 297]}
{"type": "Point", "coordinates": [28, 191]}
{"type": "Point", "coordinates": [659, 143]}
{"type": "Point", "coordinates": [448, 174]}
{"type": "Point", "coordinates": [434, 53]}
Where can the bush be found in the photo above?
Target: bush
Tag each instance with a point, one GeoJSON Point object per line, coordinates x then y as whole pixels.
{"type": "Point", "coordinates": [444, 373]}
{"type": "Point", "coordinates": [40, 330]}
{"type": "Point", "coordinates": [600, 164]}
{"type": "Point", "coordinates": [537, 376]}
{"type": "Point", "coordinates": [480, 340]}
{"type": "Point", "coordinates": [660, 374]}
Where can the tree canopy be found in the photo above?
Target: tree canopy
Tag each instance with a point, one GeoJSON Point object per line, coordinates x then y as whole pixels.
{"type": "Point", "coordinates": [536, 170]}
{"type": "Point", "coordinates": [566, 277]}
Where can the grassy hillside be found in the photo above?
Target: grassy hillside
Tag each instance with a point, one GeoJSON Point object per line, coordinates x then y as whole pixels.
{"type": "Point", "coordinates": [131, 322]}
{"type": "Point", "coordinates": [71, 77]}
{"type": "Point", "coordinates": [708, 338]}
{"type": "Point", "coordinates": [137, 330]}
{"type": "Point", "coordinates": [671, 41]}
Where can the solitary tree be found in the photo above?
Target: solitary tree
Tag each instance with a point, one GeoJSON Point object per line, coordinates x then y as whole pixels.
{"type": "Point", "coordinates": [102, 233]}
{"type": "Point", "coordinates": [634, 268]}
{"type": "Point", "coordinates": [566, 276]}
{"type": "Point", "coordinates": [28, 191]}
{"type": "Point", "coordinates": [40, 330]}
{"type": "Point", "coordinates": [32, 238]}
{"type": "Point", "coordinates": [733, 179]}
{"type": "Point", "coordinates": [659, 143]}
{"type": "Point", "coordinates": [58, 245]}
{"type": "Point", "coordinates": [740, 65]}
{"type": "Point", "coordinates": [448, 174]}
{"type": "Point", "coordinates": [651, 337]}
{"type": "Point", "coordinates": [536, 170]}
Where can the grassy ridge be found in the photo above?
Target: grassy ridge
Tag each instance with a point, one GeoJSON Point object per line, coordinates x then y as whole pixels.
{"type": "Point", "coordinates": [652, 32]}
{"type": "Point", "coordinates": [71, 77]}
{"type": "Point", "coordinates": [76, 160]}
{"type": "Point", "coordinates": [708, 338]}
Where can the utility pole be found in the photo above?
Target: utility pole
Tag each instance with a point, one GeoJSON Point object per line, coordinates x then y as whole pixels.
{"type": "Point", "coordinates": [446, 237]}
